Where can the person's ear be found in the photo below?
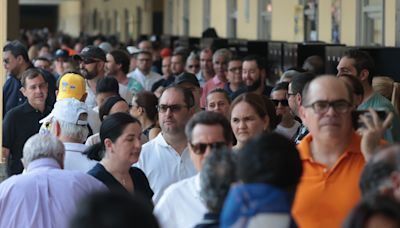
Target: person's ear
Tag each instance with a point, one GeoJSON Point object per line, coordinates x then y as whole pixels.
{"type": "Point", "coordinates": [23, 91]}
{"type": "Point", "coordinates": [364, 74]}
{"type": "Point", "coordinates": [56, 129]}
{"type": "Point", "coordinates": [299, 101]}
{"type": "Point", "coordinates": [108, 144]}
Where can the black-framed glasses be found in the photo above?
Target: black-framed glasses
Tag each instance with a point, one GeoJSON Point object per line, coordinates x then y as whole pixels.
{"type": "Point", "coordinates": [172, 108]}
{"type": "Point", "coordinates": [235, 69]}
{"type": "Point", "coordinates": [283, 102]}
{"type": "Point", "coordinates": [290, 94]}
{"type": "Point", "coordinates": [6, 61]}
{"type": "Point", "coordinates": [322, 106]}
{"type": "Point", "coordinates": [200, 148]}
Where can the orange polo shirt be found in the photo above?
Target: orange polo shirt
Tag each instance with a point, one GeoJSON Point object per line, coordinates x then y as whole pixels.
{"type": "Point", "coordinates": [325, 197]}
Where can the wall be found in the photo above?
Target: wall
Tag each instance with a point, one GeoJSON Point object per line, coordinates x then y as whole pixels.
{"type": "Point", "coordinates": [324, 21]}
{"type": "Point", "coordinates": [247, 27]}
{"type": "Point", "coordinates": [390, 23]}
{"type": "Point", "coordinates": [70, 20]}
{"type": "Point", "coordinates": [3, 38]}
{"type": "Point", "coordinates": [219, 16]}
{"type": "Point", "coordinates": [283, 13]}
{"type": "Point", "coordinates": [195, 18]}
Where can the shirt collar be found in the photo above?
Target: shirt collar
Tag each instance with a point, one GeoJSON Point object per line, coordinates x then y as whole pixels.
{"type": "Point", "coordinates": [43, 162]}
{"type": "Point", "coordinates": [305, 146]}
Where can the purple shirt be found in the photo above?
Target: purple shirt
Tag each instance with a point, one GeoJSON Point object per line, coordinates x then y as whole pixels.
{"type": "Point", "coordinates": [44, 196]}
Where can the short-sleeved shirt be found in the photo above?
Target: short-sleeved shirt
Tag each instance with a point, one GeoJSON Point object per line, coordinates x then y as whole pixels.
{"type": "Point", "coordinates": [326, 196]}
{"type": "Point", "coordinates": [19, 124]}
{"type": "Point", "coordinates": [164, 166]}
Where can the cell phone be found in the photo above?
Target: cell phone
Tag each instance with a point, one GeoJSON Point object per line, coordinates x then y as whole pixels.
{"type": "Point", "coordinates": [357, 122]}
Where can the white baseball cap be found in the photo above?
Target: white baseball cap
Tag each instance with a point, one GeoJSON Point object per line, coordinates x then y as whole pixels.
{"type": "Point", "coordinates": [68, 110]}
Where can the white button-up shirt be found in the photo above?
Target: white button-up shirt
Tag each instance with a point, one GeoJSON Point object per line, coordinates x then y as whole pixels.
{"type": "Point", "coordinates": [181, 205]}
{"type": "Point", "coordinates": [164, 166]}
{"type": "Point", "coordinates": [75, 159]}
{"type": "Point", "coordinates": [147, 81]}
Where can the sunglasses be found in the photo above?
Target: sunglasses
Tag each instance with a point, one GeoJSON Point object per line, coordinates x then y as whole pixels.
{"type": "Point", "coordinates": [282, 102]}
{"type": "Point", "coordinates": [89, 61]}
{"type": "Point", "coordinates": [172, 108]}
{"type": "Point", "coordinates": [200, 148]}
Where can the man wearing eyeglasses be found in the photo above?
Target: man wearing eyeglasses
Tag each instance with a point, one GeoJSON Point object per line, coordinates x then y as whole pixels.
{"type": "Point", "coordinates": [181, 204]}
{"type": "Point", "coordinates": [165, 159]}
{"type": "Point", "coordinates": [331, 154]}
{"type": "Point", "coordinates": [92, 61]}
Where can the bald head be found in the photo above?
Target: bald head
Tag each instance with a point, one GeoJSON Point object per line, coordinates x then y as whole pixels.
{"type": "Point", "coordinates": [324, 85]}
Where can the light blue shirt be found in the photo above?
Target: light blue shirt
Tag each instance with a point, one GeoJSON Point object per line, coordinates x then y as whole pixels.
{"type": "Point", "coordinates": [44, 196]}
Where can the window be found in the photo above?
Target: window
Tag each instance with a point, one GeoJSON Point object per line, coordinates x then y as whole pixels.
{"type": "Point", "coordinates": [265, 14]}
{"type": "Point", "coordinates": [335, 16]}
{"type": "Point", "coordinates": [232, 17]}
{"type": "Point", "coordinates": [139, 20]}
{"type": "Point", "coordinates": [310, 20]}
{"type": "Point", "coordinates": [206, 14]}
{"type": "Point", "coordinates": [128, 31]}
{"type": "Point", "coordinates": [371, 31]}
{"type": "Point", "coordinates": [186, 17]}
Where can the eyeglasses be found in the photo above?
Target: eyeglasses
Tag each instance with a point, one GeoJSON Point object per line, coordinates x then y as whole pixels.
{"type": "Point", "coordinates": [89, 61]}
{"type": "Point", "coordinates": [193, 66]}
{"type": "Point", "coordinates": [200, 148]}
{"type": "Point", "coordinates": [172, 108]}
{"type": "Point", "coordinates": [289, 94]}
{"type": "Point", "coordinates": [282, 102]}
{"type": "Point", "coordinates": [235, 69]}
{"type": "Point", "coordinates": [6, 61]}
{"type": "Point", "coordinates": [321, 107]}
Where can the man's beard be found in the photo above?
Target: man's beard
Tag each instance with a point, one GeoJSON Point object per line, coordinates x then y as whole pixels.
{"type": "Point", "coordinates": [88, 75]}
{"type": "Point", "coordinates": [254, 86]}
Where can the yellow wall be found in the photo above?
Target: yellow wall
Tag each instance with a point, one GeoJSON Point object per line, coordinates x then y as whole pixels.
{"type": "Point", "coordinates": [324, 21]}
{"type": "Point", "coordinates": [390, 23]}
{"type": "Point", "coordinates": [70, 20]}
{"type": "Point", "coordinates": [283, 20]}
{"type": "Point", "coordinates": [348, 22]}
{"type": "Point", "coordinates": [119, 6]}
{"type": "Point", "coordinates": [195, 18]}
{"type": "Point", "coordinates": [219, 16]}
{"type": "Point", "coordinates": [3, 38]}
{"type": "Point", "coordinates": [247, 28]}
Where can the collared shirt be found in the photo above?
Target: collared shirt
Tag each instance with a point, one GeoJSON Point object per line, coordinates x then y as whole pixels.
{"type": "Point", "coordinates": [181, 205]}
{"type": "Point", "coordinates": [146, 81]}
{"type": "Point", "coordinates": [325, 196]}
{"type": "Point", "coordinates": [75, 159]}
{"type": "Point", "coordinates": [12, 95]}
{"type": "Point", "coordinates": [164, 166]}
{"type": "Point", "coordinates": [210, 85]}
{"type": "Point", "coordinates": [19, 124]}
{"type": "Point", "coordinates": [200, 78]}
{"type": "Point", "coordinates": [44, 196]}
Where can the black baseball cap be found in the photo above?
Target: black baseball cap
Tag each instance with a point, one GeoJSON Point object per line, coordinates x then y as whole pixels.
{"type": "Point", "coordinates": [187, 77]}
{"type": "Point", "coordinates": [90, 53]}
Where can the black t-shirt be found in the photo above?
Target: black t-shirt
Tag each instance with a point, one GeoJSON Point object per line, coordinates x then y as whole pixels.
{"type": "Point", "coordinates": [140, 182]}
{"type": "Point", "coordinates": [19, 124]}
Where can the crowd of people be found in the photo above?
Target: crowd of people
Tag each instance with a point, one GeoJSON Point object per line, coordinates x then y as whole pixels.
{"type": "Point", "coordinates": [101, 134]}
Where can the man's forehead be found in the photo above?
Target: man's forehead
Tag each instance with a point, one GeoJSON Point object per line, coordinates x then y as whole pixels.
{"type": "Point", "coordinates": [171, 95]}
{"type": "Point", "coordinates": [36, 80]}
{"type": "Point", "coordinates": [203, 131]}
{"type": "Point", "coordinates": [327, 88]}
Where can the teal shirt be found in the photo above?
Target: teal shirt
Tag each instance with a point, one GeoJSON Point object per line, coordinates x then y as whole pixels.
{"type": "Point", "coordinates": [379, 102]}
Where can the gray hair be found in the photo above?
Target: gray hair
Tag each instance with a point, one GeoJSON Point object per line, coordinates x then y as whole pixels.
{"type": "Point", "coordinates": [225, 53]}
{"type": "Point", "coordinates": [74, 131]}
{"type": "Point", "coordinates": [216, 177]}
{"type": "Point", "coordinates": [193, 55]}
{"type": "Point", "coordinates": [43, 145]}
